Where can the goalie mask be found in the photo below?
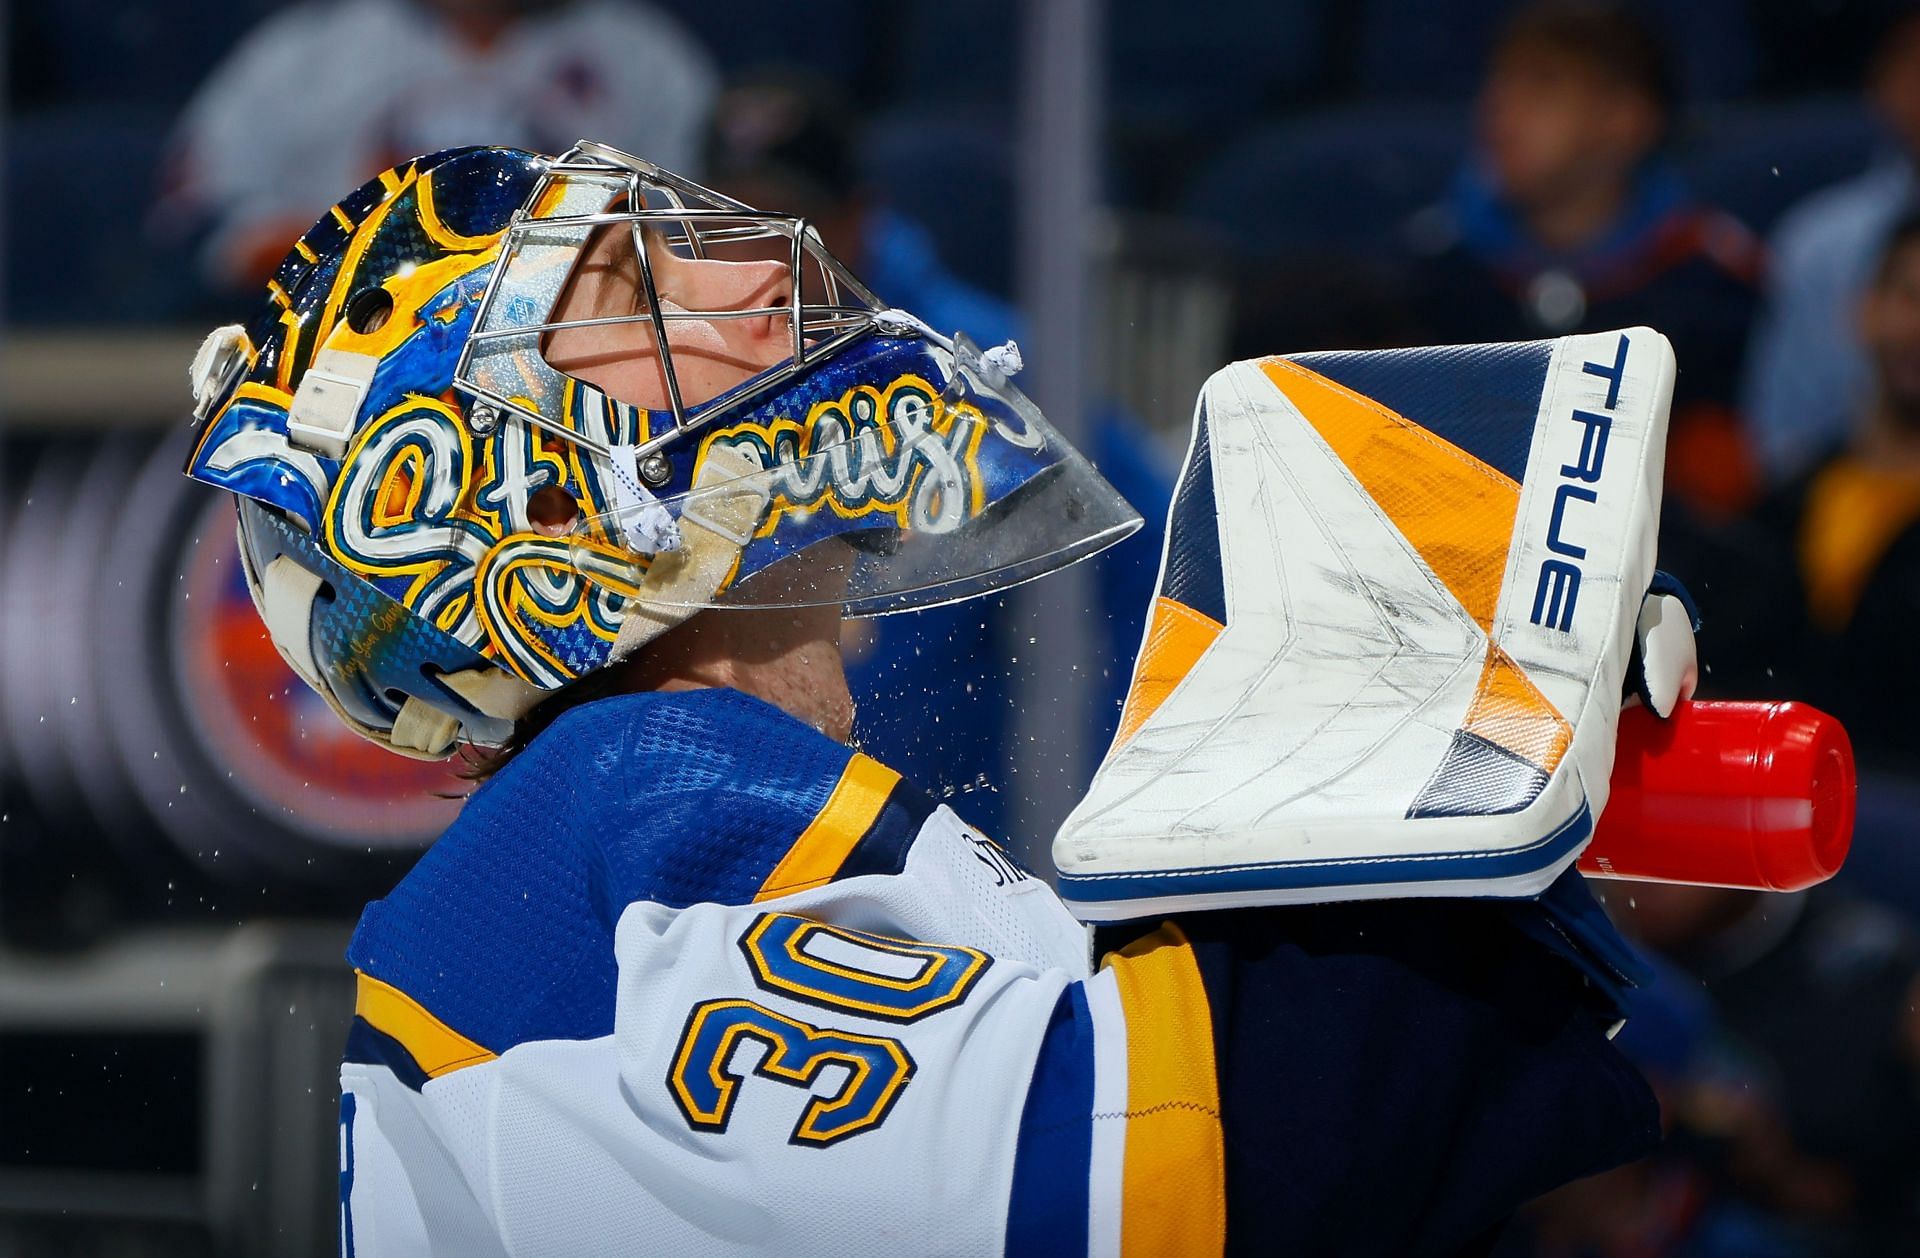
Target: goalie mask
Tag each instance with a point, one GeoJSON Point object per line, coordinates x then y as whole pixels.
{"type": "Point", "coordinates": [507, 418]}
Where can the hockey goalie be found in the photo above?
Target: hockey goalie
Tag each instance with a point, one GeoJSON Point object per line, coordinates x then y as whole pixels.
{"type": "Point", "coordinates": [576, 461]}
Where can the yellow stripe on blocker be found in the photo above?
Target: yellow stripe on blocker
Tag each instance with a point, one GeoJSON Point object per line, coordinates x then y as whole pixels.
{"type": "Point", "coordinates": [1177, 636]}
{"type": "Point", "coordinates": [1456, 510]}
{"type": "Point", "coordinates": [823, 847]}
{"type": "Point", "coordinates": [1174, 1190]}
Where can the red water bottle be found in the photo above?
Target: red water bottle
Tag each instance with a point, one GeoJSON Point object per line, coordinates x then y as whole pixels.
{"type": "Point", "coordinates": [1755, 795]}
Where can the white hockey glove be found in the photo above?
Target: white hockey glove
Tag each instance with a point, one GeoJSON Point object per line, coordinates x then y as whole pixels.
{"type": "Point", "coordinates": [1666, 666]}
{"type": "Point", "coordinates": [1399, 605]}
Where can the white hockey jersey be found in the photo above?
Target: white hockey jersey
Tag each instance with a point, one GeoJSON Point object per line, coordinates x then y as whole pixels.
{"type": "Point", "coordinates": [688, 978]}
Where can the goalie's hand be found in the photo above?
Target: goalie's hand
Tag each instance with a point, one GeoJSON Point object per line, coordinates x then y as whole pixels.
{"type": "Point", "coordinates": [1665, 669]}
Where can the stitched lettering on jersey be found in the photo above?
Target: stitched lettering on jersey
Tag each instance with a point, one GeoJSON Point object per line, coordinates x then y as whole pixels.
{"type": "Point", "coordinates": [849, 971]}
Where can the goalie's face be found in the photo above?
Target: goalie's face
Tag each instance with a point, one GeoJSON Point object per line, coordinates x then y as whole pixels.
{"type": "Point", "coordinates": [711, 354]}
{"type": "Point", "coordinates": [788, 656]}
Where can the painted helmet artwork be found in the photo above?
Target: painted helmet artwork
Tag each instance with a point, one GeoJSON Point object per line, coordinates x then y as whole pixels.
{"type": "Point", "coordinates": [506, 418]}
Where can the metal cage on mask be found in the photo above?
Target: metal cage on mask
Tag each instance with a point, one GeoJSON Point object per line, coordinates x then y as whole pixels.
{"type": "Point", "coordinates": [502, 366]}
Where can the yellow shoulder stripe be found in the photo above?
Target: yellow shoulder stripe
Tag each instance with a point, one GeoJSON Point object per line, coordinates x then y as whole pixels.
{"type": "Point", "coordinates": [824, 846]}
{"type": "Point", "coordinates": [1174, 1182]}
{"type": "Point", "coordinates": [434, 1046]}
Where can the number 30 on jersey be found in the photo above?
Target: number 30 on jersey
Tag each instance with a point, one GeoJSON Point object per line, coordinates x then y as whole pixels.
{"type": "Point", "coordinates": [846, 971]}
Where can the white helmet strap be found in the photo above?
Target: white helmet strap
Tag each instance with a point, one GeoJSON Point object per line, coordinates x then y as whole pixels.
{"type": "Point", "coordinates": [421, 729]}
{"type": "Point", "coordinates": [286, 592]}
{"type": "Point", "coordinates": [220, 358]}
{"type": "Point", "coordinates": [712, 535]}
{"type": "Point", "coordinates": [285, 595]}
{"type": "Point", "coordinates": [494, 691]}
{"type": "Point", "coordinates": [326, 406]}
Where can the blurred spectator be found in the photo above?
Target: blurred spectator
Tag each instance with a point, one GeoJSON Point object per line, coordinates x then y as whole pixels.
{"type": "Point", "coordinates": [1819, 989]}
{"type": "Point", "coordinates": [1415, 48]}
{"type": "Point", "coordinates": [1854, 524]}
{"type": "Point", "coordinates": [930, 688]}
{"type": "Point", "coordinates": [1807, 374]}
{"type": "Point", "coordinates": [328, 92]}
{"type": "Point", "coordinates": [1569, 220]}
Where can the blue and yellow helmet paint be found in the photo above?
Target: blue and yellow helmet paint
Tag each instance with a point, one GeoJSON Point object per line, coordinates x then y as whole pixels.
{"type": "Point", "coordinates": [387, 466]}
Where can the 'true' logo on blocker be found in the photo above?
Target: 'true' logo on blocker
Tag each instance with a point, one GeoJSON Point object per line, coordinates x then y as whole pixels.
{"type": "Point", "coordinates": [1558, 587]}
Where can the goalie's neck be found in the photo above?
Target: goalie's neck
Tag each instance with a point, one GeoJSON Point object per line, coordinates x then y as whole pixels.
{"type": "Point", "coordinates": [787, 656]}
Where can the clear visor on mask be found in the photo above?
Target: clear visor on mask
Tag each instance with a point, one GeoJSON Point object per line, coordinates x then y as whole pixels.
{"type": "Point", "coordinates": [902, 498]}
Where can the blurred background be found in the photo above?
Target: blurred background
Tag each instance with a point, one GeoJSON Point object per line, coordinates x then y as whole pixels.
{"type": "Point", "coordinates": [1138, 192]}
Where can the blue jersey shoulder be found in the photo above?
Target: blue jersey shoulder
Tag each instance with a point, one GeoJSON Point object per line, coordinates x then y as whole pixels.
{"type": "Point", "coordinates": [504, 930]}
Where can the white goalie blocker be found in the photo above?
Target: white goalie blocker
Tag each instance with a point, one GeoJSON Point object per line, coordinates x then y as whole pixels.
{"type": "Point", "coordinates": [1396, 608]}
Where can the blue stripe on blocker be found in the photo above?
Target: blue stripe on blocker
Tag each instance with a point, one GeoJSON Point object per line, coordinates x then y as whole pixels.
{"type": "Point", "coordinates": [1047, 1210]}
{"type": "Point", "coordinates": [1488, 864]}
{"type": "Point", "coordinates": [1482, 398]}
{"type": "Point", "coordinates": [1191, 572]}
